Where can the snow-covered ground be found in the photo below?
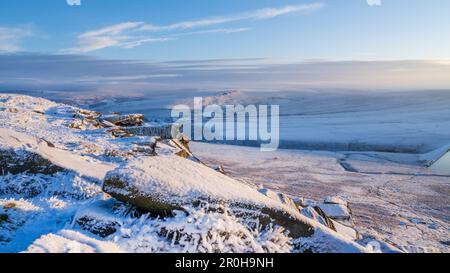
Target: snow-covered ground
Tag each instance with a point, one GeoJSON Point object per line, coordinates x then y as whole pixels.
{"type": "Point", "coordinates": [56, 160]}
{"type": "Point", "coordinates": [395, 197]}
{"type": "Point", "coordinates": [392, 196]}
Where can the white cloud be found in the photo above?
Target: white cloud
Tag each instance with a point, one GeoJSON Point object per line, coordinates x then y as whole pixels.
{"type": "Point", "coordinates": [211, 31]}
{"type": "Point", "coordinates": [81, 73]}
{"type": "Point", "coordinates": [260, 14]}
{"type": "Point", "coordinates": [111, 30]}
{"type": "Point", "coordinates": [112, 36]}
{"type": "Point", "coordinates": [97, 79]}
{"type": "Point", "coordinates": [374, 2]}
{"type": "Point", "coordinates": [11, 38]}
{"type": "Point", "coordinates": [73, 2]}
{"type": "Point", "coordinates": [134, 34]}
{"type": "Point", "coordinates": [136, 43]}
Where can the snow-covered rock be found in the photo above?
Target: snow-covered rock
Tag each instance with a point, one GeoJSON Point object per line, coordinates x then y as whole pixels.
{"type": "Point", "coordinates": [23, 153]}
{"type": "Point", "coordinates": [338, 210]}
{"type": "Point", "coordinates": [98, 218]}
{"type": "Point", "coordinates": [335, 200]}
{"type": "Point", "coordinates": [125, 120]}
{"type": "Point", "coordinates": [346, 230]}
{"type": "Point", "coordinates": [281, 197]}
{"type": "Point", "coordinates": [318, 215]}
{"type": "Point", "coordinates": [18, 154]}
{"type": "Point", "coordinates": [168, 131]}
{"type": "Point", "coordinates": [313, 214]}
{"type": "Point", "coordinates": [165, 183]}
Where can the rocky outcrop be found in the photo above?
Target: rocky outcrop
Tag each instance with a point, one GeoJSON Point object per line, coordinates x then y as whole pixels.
{"type": "Point", "coordinates": [21, 161]}
{"type": "Point", "coordinates": [297, 228]}
{"type": "Point", "coordinates": [118, 188]}
{"type": "Point", "coordinates": [176, 181]}
{"type": "Point", "coordinates": [220, 169]}
{"type": "Point", "coordinates": [338, 218]}
{"type": "Point", "coordinates": [169, 131]}
{"type": "Point", "coordinates": [125, 120]}
{"type": "Point", "coordinates": [98, 218]}
{"type": "Point", "coordinates": [334, 213]}
{"type": "Point", "coordinates": [21, 153]}
{"type": "Point", "coordinates": [337, 210]}
{"type": "Point", "coordinates": [318, 216]}
{"type": "Point", "coordinates": [281, 197]}
{"type": "Point", "coordinates": [15, 159]}
{"type": "Point", "coordinates": [163, 184]}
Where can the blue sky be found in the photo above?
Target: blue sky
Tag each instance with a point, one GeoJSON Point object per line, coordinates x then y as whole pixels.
{"type": "Point", "coordinates": [171, 30]}
{"type": "Point", "coordinates": [148, 45]}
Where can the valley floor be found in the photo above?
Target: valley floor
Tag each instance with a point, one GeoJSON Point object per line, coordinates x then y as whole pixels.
{"type": "Point", "coordinates": [392, 197]}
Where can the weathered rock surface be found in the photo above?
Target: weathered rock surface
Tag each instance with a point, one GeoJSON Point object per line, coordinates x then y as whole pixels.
{"type": "Point", "coordinates": [98, 218]}
{"type": "Point", "coordinates": [220, 169]}
{"type": "Point", "coordinates": [18, 157]}
{"type": "Point", "coordinates": [166, 183]}
{"type": "Point", "coordinates": [177, 181]}
{"type": "Point", "coordinates": [125, 120]}
{"type": "Point", "coordinates": [169, 131]}
{"type": "Point", "coordinates": [337, 210]}
{"type": "Point", "coordinates": [21, 161]}
{"type": "Point", "coordinates": [315, 215]}
{"type": "Point", "coordinates": [23, 153]}
{"type": "Point", "coordinates": [281, 197]}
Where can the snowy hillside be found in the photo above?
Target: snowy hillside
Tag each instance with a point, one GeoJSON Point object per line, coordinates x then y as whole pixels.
{"type": "Point", "coordinates": [366, 120]}
{"type": "Point", "coordinates": [74, 180]}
